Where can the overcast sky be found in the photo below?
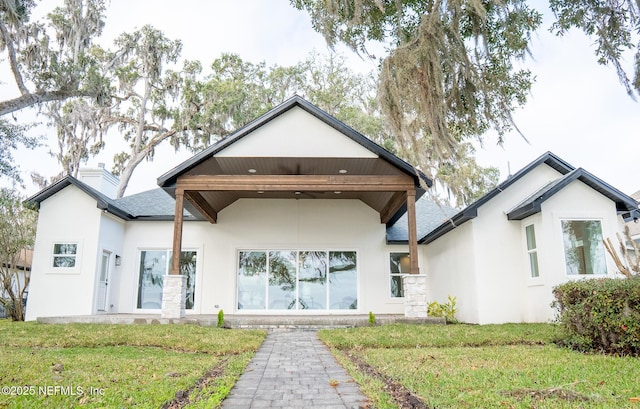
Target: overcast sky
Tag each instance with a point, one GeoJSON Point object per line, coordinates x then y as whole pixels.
{"type": "Point", "coordinates": [577, 109]}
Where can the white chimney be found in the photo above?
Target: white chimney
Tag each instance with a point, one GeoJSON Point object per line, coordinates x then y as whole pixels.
{"type": "Point", "coordinates": [100, 179]}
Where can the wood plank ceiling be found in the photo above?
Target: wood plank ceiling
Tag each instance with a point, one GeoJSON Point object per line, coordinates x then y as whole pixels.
{"type": "Point", "coordinates": [219, 181]}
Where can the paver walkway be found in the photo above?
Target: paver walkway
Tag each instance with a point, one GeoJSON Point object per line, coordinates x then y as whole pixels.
{"type": "Point", "coordinates": [293, 369]}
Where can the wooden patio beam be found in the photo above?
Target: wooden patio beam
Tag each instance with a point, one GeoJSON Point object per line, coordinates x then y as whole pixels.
{"type": "Point", "coordinates": [284, 183]}
{"type": "Point", "coordinates": [201, 204]}
{"type": "Point", "coordinates": [177, 233]}
{"type": "Point", "coordinates": [392, 206]}
{"type": "Point", "coordinates": [413, 233]}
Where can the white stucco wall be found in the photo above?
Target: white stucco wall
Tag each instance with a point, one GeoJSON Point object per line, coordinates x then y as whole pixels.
{"type": "Point", "coordinates": [110, 240]}
{"type": "Point", "coordinates": [296, 133]}
{"type": "Point", "coordinates": [267, 224]}
{"type": "Point", "coordinates": [499, 253]}
{"type": "Point", "coordinates": [451, 271]}
{"type": "Point", "coordinates": [494, 248]}
{"type": "Point", "coordinates": [576, 201]}
{"type": "Point", "coordinates": [69, 216]}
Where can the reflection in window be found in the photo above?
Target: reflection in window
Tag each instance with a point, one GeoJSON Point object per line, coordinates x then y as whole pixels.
{"type": "Point", "coordinates": [583, 248]}
{"type": "Point", "coordinates": [64, 255]}
{"type": "Point", "coordinates": [312, 280]}
{"type": "Point", "coordinates": [154, 265]}
{"type": "Point", "coordinates": [343, 280]}
{"type": "Point", "coordinates": [188, 268]}
{"type": "Point", "coordinates": [282, 280]}
{"type": "Point", "coordinates": [297, 280]}
{"type": "Point", "coordinates": [252, 276]}
{"type": "Point", "coordinates": [399, 265]}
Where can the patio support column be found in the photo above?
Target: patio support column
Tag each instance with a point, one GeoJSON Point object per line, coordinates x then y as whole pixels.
{"type": "Point", "coordinates": [177, 232]}
{"type": "Point", "coordinates": [174, 286]}
{"type": "Point", "coordinates": [413, 234]}
{"type": "Point", "coordinates": [415, 284]}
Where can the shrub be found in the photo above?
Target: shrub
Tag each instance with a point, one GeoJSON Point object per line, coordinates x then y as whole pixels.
{"type": "Point", "coordinates": [447, 310]}
{"type": "Point", "coordinates": [372, 318]}
{"type": "Point", "coordinates": [220, 319]}
{"type": "Point", "coordinates": [600, 315]}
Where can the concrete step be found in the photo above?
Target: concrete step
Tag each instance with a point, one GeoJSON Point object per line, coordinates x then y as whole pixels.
{"type": "Point", "coordinates": [297, 322]}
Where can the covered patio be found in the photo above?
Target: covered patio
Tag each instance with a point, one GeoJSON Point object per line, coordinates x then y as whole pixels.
{"type": "Point", "coordinates": [278, 166]}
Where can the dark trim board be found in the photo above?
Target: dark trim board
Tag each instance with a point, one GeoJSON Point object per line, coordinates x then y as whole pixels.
{"type": "Point", "coordinates": [531, 205]}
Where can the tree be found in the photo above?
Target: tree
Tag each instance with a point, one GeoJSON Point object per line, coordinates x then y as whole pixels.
{"type": "Point", "coordinates": [613, 24]}
{"type": "Point", "coordinates": [144, 97]}
{"type": "Point", "coordinates": [51, 66]}
{"type": "Point", "coordinates": [450, 73]}
{"type": "Point", "coordinates": [237, 91]}
{"type": "Point", "coordinates": [17, 235]}
{"type": "Point", "coordinates": [465, 181]}
{"type": "Point", "coordinates": [12, 135]}
{"type": "Point", "coordinates": [80, 132]}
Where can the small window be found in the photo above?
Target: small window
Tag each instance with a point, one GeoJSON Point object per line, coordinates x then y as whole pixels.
{"type": "Point", "coordinates": [400, 265]}
{"type": "Point", "coordinates": [532, 249]}
{"type": "Point", "coordinates": [64, 255]}
{"type": "Point", "coordinates": [583, 248]}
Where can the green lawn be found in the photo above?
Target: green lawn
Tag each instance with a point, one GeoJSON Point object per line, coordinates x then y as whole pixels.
{"type": "Point", "coordinates": [465, 366]}
{"type": "Point", "coordinates": [98, 366]}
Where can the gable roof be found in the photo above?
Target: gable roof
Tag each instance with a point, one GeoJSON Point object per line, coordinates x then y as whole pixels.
{"type": "Point", "coordinates": [167, 180]}
{"type": "Point", "coordinates": [103, 202]}
{"type": "Point", "coordinates": [531, 205]}
{"type": "Point", "coordinates": [150, 205]}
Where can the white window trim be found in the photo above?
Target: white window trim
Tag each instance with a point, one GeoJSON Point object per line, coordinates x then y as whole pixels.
{"type": "Point", "coordinates": [65, 270]}
{"type": "Point", "coordinates": [564, 253]}
{"type": "Point", "coordinates": [529, 252]}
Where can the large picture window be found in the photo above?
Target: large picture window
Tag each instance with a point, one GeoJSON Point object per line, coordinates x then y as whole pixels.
{"type": "Point", "coordinates": [583, 248]}
{"type": "Point", "coordinates": [154, 265]}
{"type": "Point", "coordinates": [297, 280]}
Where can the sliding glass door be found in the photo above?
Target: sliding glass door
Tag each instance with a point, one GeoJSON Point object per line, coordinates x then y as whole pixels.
{"type": "Point", "coordinates": [297, 280]}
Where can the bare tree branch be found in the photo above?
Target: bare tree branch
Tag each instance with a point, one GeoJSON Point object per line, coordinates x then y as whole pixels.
{"type": "Point", "coordinates": [30, 99]}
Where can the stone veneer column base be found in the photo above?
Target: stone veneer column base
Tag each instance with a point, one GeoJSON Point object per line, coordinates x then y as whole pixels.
{"type": "Point", "coordinates": [174, 296]}
{"type": "Point", "coordinates": [415, 295]}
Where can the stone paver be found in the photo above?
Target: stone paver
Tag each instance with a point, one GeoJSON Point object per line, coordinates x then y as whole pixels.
{"type": "Point", "coordinates": [293, 369]}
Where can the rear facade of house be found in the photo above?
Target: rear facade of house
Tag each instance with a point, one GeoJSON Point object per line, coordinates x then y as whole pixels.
{"type": "Point", "coordinates": [316, 219]}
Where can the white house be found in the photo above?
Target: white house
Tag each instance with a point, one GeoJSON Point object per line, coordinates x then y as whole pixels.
{"type": "Point", "coordinates": [296, 213]}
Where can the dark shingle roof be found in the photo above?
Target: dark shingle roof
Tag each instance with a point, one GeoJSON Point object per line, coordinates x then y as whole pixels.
{"type": "Point", "coordinates": [153, 204]}
{"type": "Point", "coordinates": [429, 215]}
